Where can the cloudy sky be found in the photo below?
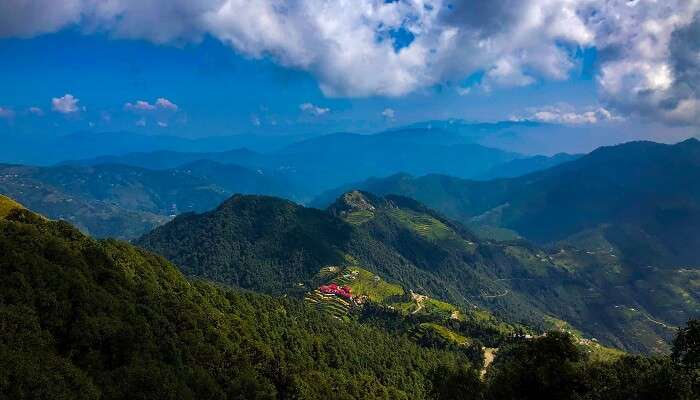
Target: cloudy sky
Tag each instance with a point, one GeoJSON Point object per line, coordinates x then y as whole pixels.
{"type": "Point", "coordinates": [239, 66]}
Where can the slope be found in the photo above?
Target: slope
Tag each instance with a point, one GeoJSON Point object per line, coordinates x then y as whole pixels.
{"type": "Point", "coordinates": [124, 201]}
{"type": "Point", "coordinates": [276, 246]}
{"type": "Point", "coordinates": [87, 319]}
{"type": "Point", "coordinates": [641, 197]}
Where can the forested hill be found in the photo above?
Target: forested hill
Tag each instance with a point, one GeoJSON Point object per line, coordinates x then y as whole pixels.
{"type": "Point", "coordinates": [275, 246]}
{"type": "Point", "coordinates": [88, 319]}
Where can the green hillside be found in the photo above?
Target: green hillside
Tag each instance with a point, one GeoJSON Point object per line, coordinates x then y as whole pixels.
{"type": "Point", "coordinates": [87, 319]}
{"type": "Point", "coordinates": [276, 246]}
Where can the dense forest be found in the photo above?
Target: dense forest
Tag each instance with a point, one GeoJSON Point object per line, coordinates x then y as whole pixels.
{"type": "Point", "coordinates": [92, 319]}
{"type": "Point", "coordinates": [275, 246]}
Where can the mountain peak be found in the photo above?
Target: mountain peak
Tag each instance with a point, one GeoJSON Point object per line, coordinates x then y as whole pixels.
{"type": "Point", "coordinates": [356, 200]}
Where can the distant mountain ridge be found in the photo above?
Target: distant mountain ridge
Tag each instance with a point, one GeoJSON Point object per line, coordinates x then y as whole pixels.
{"type": "Point", "coordinates": [125, 201]}
{"type": "Point", "coordinates": [639, 195]}
{"type": "Point", "coordinates": [323, 162]}
{"type": "Point", "coordinates": [47, 149]}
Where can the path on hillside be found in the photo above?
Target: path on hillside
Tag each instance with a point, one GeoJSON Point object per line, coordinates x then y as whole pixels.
{"type": "Point", "coordinates": [493, 296]}
{"type": "Point", "coordinates": [649, 318]}
{"type": "Point", "coordinates": [419, 299]}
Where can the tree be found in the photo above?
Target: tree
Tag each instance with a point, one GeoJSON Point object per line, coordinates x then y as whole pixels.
{"type": "Point", "coordinates": [686, 346]}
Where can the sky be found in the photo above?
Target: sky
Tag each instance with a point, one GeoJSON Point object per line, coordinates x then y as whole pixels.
{"type": "Point", "coordinates": [219, 67]}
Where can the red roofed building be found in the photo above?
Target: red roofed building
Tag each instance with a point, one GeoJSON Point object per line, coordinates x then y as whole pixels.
{"type": "Point", "coordinates": [342, 291]}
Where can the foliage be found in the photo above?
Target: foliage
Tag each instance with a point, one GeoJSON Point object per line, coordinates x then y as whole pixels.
{"type": "Point", "coordinates": [275, 246]}
{"type": "Point", "coordinates": [553, 367]}
{"type": "Point", "coordinates": [103, 319]}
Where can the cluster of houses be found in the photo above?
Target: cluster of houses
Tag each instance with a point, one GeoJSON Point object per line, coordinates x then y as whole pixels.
{"type": "Point", "coordinates": [332, 288]}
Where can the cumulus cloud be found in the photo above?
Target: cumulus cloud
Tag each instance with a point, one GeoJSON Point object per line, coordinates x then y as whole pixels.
{"type": "Point", "coordinates": [6, 113]}
{"type": "Point", "coordinates": [565, 114]}
{"type": "Point", "coordinates": [65, 105]}
{"type": "Point", "coordinates": [139, 105]}
{"type": "Point", "coordinates": [162, 124]}
{"type": "Point", "coordinates": [166, 104]}
{"type": "Point", "coordinates": [145, 106]}
{"type": "Point", "coordinates": [647, 50]}
{"type": "Point", "coordinates": [313, 109]}
{"type": "Point", "coordinates": [389, 113]}
{"type": "Point", "coordinates": [650, 58]}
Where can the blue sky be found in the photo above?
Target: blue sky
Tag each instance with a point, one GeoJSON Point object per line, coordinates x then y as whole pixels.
{"type": "Point", "coordinates": [312, 66]}
{"type": "Point", "coordinates": [219, 91]}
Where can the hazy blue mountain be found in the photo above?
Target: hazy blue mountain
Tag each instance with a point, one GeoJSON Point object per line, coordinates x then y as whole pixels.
{"type": "Point", "coordinates": [172, 159]}
{"type": "Point", "coordinates": [327, 161]}
{"type": "Point", "coordinates": [526, 165]}
{"type": "Point", "coordinates": [125, 201]}
{"type": "Point", "coordinates": [642, 198]}
{"type": "Point", "coordinates": [50, 149]}
{"type": "Point", "coordinates": [532, 137]}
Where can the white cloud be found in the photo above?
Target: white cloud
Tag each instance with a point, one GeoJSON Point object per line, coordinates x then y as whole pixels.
{"type": "Point", "coordinates": [162, 124]}
{"type": "Point", "coordinates": [139, 105]}
{"type": "Point", "coordinates": [141, 122]}
{"type": "Point", "coordinates": [145, 106]}
{"type": "Point", "coordinates": [36, 111]}
{"type": "Point", "coordinates": [65, 105]}
{"type": "Point", "coordinates": [565, 114]}
{"type": "Point", "coordinates": [6, 113]}
{"type": "Point", "coordinates": [313, 109]}
{"type": "Point", "coordinates": [647, 49]}
{"type": "Point", "coordinates": [389, 113]}
{"type": "Point", "coordinates": [255, 120]}
{"type": "Point", "coordinates": [166, 104]}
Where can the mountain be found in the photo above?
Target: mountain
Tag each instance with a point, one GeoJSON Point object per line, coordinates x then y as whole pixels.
{"type": "Point", "coordinates": [174, 159]}
{"type": "Point", "coordinates": [275, 246]}
{"type": "Point", "coordinates": [123, 201]}
{"type": "Point", "coordinates": [641, 199]}
{"type": "Point", "coordinates": [89, 319]}
{"type": "Point", "coordinates": [526, 165]}
{"type": "Point", "coordinates": [49, 149]}
{"type": "Point", "coordinates": [327, 161]}
{"type": "Point", "coordinates": [534, 137]}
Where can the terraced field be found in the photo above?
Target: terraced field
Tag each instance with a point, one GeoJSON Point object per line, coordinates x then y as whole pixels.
{"type": "Point", "coordinates": [330, 304]}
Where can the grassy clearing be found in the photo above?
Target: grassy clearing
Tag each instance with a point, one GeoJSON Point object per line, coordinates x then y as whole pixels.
{"type": "Point", "coordinates": [446, 333]}
{"type": "Point", "coordinates": [536, 262]}
{"type": "Point", "coordinates": [6, 205]}
{"type": "Point", "coordinates": [366, 283]}
{"type": "Point", "coordinates": [423, 225]}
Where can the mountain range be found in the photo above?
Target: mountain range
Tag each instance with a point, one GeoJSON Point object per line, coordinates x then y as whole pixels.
{"type": "Point", "coordinates": [102, 319]}
{"type": "Point", "coordinates": [323, 162]}
{"type": "Point", "coordinates": [275, 246]}
{"type": "Point", "coordinates": [111, 200]}
{"type": "Point", "coordinates": [640, 200]}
